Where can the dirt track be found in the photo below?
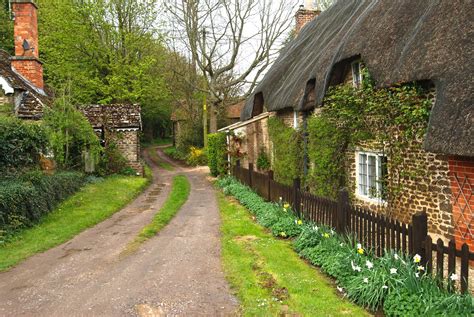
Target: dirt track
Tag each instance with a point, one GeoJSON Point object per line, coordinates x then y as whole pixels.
{"type": "Point", "coordinates": [178, 272]}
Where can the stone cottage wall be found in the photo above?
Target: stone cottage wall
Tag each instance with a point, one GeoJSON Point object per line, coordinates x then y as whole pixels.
{"type": "Point", "coordinates": [128, 144]}
{"type": "Point", "coordinates": [257, 140]}
{"type": "Point", "coordinates": [428, 189]}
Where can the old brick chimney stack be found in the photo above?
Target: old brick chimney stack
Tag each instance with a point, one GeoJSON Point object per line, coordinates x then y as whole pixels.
{"type": "Point", "coordinates": [305, 14]}
{"type": "Point", "coordinates": [26, 60]}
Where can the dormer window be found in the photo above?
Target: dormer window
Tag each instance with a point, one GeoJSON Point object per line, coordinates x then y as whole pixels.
{"type": "Point", "coordinates": [356, 74]}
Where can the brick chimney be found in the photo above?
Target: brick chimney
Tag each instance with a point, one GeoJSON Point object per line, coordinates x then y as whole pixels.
{"type": "Point", "coordinates": [305, 14]}
{"type": "Point", "coordinates": [26, 60]}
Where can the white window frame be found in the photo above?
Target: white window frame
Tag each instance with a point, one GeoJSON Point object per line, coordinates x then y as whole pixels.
{"type": "Point", "coordinates": [295, 119]}
{"type": "Point", "coordinates": [378, 175]}
{"type": "Point", "coordinates": [356, 79]}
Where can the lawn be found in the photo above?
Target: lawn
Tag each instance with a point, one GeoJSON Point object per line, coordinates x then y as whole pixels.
{"type": "Point", "coordinates": [268, 277]}
{"type": "Point", "coordinates": [92, 204]}
{"type": "Point", "coordinates": [180, 189]}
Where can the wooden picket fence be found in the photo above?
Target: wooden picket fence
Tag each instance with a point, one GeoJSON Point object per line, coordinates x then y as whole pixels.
{"type": "Point", "coordinates": [373, 230]}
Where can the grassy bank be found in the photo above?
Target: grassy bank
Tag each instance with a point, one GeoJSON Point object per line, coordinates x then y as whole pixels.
{"type": "Point", "coordinates": [91, 205]}
{"type": "Point", "coordinates": [268, 276]}
{"type": "Point", "coordinates": [180, 189]}
{"type": "Point", "coordinates": [158, 161]}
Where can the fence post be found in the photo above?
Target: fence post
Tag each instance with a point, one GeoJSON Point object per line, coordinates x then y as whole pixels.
{"type": "Point", "coordinates": [419, 232]}
{"type": "Point", "coordinates": [296, 196]}
{"type": "Point", "coordinates": [269, 185]}
{"type": "Point", "coordinates": [342, 211]}
{"type": "Point", "coordinates": [250, 175]}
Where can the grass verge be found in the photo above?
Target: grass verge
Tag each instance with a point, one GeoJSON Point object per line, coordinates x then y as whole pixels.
{"type": "Point", "coordinates": [180, 189]}
{"type": "Point", "coordinates": [89, 206]}
{"type": "Point", "coordinates": [268, 276]}
{"type": "Point", "coordinates": [154, 157]}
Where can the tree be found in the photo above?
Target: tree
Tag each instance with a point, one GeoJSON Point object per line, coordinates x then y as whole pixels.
{"type": "Point", "coordinates": [107, 51]}
{"type": "Point", "coordinates": [6, 27]}
{"type": "Point", "coordinates": [231, 42]}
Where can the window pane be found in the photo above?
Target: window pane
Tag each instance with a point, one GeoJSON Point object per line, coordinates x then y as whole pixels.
{"type": "Point", "coordinates": [363, 174]}
{"type": "Point", "coordinates": [372, 176]}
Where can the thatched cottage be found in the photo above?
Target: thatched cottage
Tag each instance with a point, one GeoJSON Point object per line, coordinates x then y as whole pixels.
{"type": "Point", "coordinates": [398, 42]}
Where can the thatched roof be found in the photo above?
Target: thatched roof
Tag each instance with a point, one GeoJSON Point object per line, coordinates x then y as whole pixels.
{"type": "Point", "coordinates": [116, 116]}
{"type": "Point", "coordinates": [399, 41]}
{"type": "Point", "coordinates": [29, 100]}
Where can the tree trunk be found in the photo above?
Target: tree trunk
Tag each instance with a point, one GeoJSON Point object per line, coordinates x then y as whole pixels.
{"type": "Point", "coordinates": [212, 118]}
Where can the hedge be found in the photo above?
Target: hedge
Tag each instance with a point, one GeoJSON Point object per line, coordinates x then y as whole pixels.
{"type": "Point", "coordinates": [216, 153]}
{"type": "Point", "coordinates": [25, 199]}
{"type": "Point", "coordinates": [21, 142]}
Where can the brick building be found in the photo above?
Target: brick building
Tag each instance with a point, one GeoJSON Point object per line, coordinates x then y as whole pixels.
{"type": "Point", "coordinates": [121, 124]}
{"type": "Point", "coordinates": [21, 76]}
{"type": "Point", "coordinates": [399, 42]}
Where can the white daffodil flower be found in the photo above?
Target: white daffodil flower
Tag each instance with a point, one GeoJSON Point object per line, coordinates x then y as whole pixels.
{"type": "Point", "coordinates": [366, 280]}
{"type": "Point", "coordinates": [393, 271]}
{"type": "Point", "coordinates": [454, 277]}
{"type": "Point", "coordinates": [417, 258]}
{"type": "Point", "coordinates": [369, 264]}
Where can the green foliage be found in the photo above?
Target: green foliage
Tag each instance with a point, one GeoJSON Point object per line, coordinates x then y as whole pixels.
{"type": "Point", "coordinates": [112, 160]}
{"type": "Point", "coordinates": [174, 153]}
{"type": "Point", "coordinates": [263, 163]}
{"type": "Point", "coordinates": [21, 143]}
{"type": "Point", "coordinates": [27, 198]}
{"type": "Point", "coordinates": [287, 153]}
{"type": "Point", "coordinates": [390, 282]}
{"type": "Point", "coordinates": [390, 119]}
{"type": "Point", "coordinates": [216, 153]}
{"type": "Point", "coordinates": [70, 134]}
{"type": "Point", "coordinates": [196, 157]}
{"type": "Point", "coordinates": [6, 28]}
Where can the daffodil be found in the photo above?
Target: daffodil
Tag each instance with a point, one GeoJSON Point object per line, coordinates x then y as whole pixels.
{"type": "Point", "coordinates": [355, 267]}
{"type": "Point", "coordinates": [369, 264]}
{"type": "Point", "coordinates": [417, 274]}
{"type": "Point", "coordinates": [283, 234]}
{"type": "Point", "coordinates": [454, 277]}
{"type": "Point", "coordinates": [420, 268]}
{"type": "Point", "coordinates": [393, 271]}
{"type": "Point", "coordinates": [315, 228]}
{"type": "Point", "coordinates": [300, 222]}
{"type": "Point", "coordinates": [366, 280]}
{"type": "Point", "coordinates": [360, 251]}
{"type": "Point", "coordinates": [326, 235]}
{"type": "Point", "coordinates": [417, 258]}
{"type": "Point", "coordinates": [359, 246]}
{"type": "Point", "coordinates": [395, 256]}
{"type": "Point", "coordinates": [286, 206]}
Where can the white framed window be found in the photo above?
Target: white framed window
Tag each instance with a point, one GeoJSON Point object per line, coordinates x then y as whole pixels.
{"type": "Point", "coordinates": [356, 74]}
{"type": "Point", "coordinates": [371, 169]}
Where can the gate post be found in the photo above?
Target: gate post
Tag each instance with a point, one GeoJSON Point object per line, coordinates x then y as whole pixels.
{"type": "Point", "coordinates": [342, 211]}
{"type": "Point", "coordinates": [250, 175]}
{"type": "Point", "coordinates": [296, 196]}
{"type": "Point", "coordinates": [419, 232]}
{"type": "Point", "coordinates": [269, 185]}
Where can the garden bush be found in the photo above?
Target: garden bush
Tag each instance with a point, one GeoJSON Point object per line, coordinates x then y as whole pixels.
{"type": "Point", "coordinates": [196, 157]}
{"type": "Point", "coordinates": [21, 143]}
{"type": "Point", "coordinates": [394, 282]}
{"type": "Point", "coordinates": [216, 153]}
{"type": "Point", "coordinates": [26, 198]}
{"type": "Point", "coordinates": [174, 153]}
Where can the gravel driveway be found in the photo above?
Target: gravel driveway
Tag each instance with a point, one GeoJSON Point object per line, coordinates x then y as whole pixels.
{"type": "Point", "coordinates": [176, 273]}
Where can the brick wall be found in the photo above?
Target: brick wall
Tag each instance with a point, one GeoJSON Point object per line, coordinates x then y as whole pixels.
{"type": "Point", "coordinates": [288, 117]}
{"type": "Point", "coordinates": [423, 184]}
{"type": "Point", "coordinates": [26, 28]}
{"type": "Point", "coordinates": [304, 16]}
{"type": "Point", "coordinates": [461, 172]}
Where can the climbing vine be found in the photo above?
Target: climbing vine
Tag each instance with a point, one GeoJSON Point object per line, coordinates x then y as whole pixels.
{"type": "Point", "coordinates": [287, 152]}
{"type": "Point", "coordinates": [391, 120]}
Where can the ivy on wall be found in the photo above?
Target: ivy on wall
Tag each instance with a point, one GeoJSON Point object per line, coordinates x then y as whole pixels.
{"type": "Point", "coordinates": [392, 120]}
{"type": "Point", "coordinates": [287, 151]}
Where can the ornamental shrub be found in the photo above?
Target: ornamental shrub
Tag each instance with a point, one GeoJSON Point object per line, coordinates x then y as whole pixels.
{"type": "Point", "coordinates": [26, 198]}
{"type": "Point", "coordinates": [287, 153]}
{"type": "Point", "coordinates": [196, 157]}
{"type": "Point", "coordinates": [21, 143]}
{"type": "Point", "coordinates": [216, 153]}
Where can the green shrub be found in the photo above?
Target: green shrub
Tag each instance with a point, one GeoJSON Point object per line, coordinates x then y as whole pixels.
{"type": "Point", "coordinates": [287, 153]}
{"type": "Point", "coordinates": [263, 163]}
{"type": "Point", "coordinates": [112, 160]}
{"type": "Point", "coordinates": [196, 157]}
{"type": "Point", "coordinates": [25, 199]}
{"type": "Point", "coordinates": [216, 153]}
{"type": "Point", "coordinates": [174, 153]}
{"type": "Point", "coordinates": [21, 143]}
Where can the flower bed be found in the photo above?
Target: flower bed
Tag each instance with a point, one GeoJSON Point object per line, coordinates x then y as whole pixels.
{"type": "Point", "coordinates": [395, 282]}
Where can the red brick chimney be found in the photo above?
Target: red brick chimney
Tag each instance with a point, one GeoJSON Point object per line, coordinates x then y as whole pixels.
{"type": "Point", "coordinates": [26, 60]}
{"type": "Point", "coordinates": [305, 14]}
